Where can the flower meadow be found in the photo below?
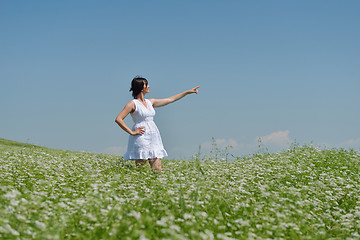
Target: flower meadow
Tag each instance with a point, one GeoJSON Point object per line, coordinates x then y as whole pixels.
{"type": "Point", "coordinates": [300, 193]}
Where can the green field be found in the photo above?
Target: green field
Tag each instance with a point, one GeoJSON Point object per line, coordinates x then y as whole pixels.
{"type": "Point", "coordinates": [302, 193]}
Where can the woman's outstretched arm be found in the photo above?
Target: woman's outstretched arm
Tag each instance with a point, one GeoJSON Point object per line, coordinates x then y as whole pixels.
{"type": "Point", "coordinates": [166, 101]}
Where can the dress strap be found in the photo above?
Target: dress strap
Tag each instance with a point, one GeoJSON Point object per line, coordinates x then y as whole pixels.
{"type": "Point", "coordinates": [136, 103]}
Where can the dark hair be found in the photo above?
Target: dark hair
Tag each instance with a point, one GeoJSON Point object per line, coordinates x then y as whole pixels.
{"type": "Point", "coordinates": [137, 84]}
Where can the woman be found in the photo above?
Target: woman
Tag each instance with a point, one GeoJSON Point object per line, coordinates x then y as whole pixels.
{"type": "Point", "coordinates": [145, 141]}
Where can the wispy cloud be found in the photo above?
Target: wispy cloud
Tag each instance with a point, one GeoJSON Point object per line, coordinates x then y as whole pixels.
{"type": "Point", "coordinates": [116, 150]}
{"type": "Point", "coordinates": [276, 139]}
{"type": "Point", "coordinates": [273, 141]}
{"type": "Point", "coordinates": [352, 143]}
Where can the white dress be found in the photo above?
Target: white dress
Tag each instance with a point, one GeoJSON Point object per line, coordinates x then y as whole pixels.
{"type": "Point", "coordinates": [148, 145]}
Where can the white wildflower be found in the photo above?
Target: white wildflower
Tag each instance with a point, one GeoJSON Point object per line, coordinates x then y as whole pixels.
{"type": "Point", "coordinates": [175, 227]}
{"type": "Point", "coordinates": [40, 225]}
{"type": "Point", "coordinates": [135, 214]}
{"type": "Point", "coordinates": [142, 237]}
{"type": "Point", "coordinates": [20, 217]}
{"type": "Point", "coordinates": [12, 194]}
{"type": "Point", "coordinates": [7, 228]}
{"type": "Point", "coordinates": [14, 202]}
{"type": "Point", "coordinates": [187, 216]}
{"type": "Point", "coordinates": [162, 222]}
{"type": "Point", "coordinates": [91, 217]}
{"type": "Point", "coordinates": [80, 201]}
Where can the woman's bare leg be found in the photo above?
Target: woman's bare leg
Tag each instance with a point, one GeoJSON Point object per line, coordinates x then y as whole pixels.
{"type": "Point", "coordinates": [155, 164]}
{"type": "Point", "coordinates": [140, 162]}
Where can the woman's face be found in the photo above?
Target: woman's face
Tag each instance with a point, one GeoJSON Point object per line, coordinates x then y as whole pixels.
{"type": "Point", "coordinates": [146, 88]}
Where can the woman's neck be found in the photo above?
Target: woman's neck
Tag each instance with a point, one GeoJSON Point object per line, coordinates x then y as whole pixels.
{"type": "Point", "coordinates": [141, 97]}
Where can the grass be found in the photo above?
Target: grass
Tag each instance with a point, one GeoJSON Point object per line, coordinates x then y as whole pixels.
{"type": "Point", "coordinates": [301, 193]}
{"type": "Point", "coordinates": [8, 145]}
{"type": "Point", "coordinates": [13, 146]}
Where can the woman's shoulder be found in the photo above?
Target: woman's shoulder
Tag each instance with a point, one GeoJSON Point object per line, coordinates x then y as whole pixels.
{"type": "Point", "coordinates": [151, 100]}
{"type": "Point", "coordinates": [132, 102]}
{"type": "Point", "coordinates": [131, 105]}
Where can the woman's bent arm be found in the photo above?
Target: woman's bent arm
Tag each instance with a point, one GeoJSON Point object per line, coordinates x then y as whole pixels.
{"type": "Point", "coordinates": [130, 107]}
{"type": "Point", "coordinates": [166, 101]}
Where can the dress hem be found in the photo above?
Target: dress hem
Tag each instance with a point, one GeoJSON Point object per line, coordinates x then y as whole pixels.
{"type": "Point", "coordinates": [137, 156]}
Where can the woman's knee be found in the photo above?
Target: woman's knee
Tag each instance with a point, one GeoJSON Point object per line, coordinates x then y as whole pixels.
{"type": "Point", "coordinates": [140, 162]}
{"type": "Point", "coordinates": [155, 164]}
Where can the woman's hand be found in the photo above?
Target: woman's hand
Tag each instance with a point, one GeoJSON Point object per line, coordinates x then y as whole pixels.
{"type": "Point", "coordinates": [138, 131]}
{"type": "Point", "coordinates": [193, 90]}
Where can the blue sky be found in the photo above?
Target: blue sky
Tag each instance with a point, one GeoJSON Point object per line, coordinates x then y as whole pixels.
{"type": "Point", "coordinates": [284, 71]}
